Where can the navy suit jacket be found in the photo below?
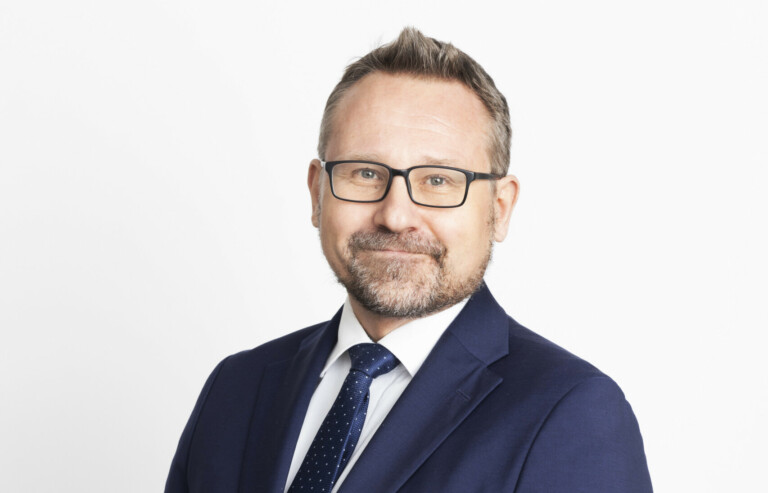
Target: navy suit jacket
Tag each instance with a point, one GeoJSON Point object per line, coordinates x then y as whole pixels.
{"type": "Point", "coordinates": [494, 408]}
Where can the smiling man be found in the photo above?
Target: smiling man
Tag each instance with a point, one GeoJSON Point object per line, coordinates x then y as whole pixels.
{"type": "Point", "coordinates": [408, 246]}
{"type": "Point", "coordinates": [421, 382]}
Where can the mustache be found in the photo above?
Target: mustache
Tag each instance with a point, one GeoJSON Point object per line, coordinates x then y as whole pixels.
{"type": "Point", "coordinates": [387, 240]}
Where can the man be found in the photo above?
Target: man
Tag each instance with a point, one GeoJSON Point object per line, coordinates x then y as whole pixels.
{"type": "Point", "coordinates": [421, 382]}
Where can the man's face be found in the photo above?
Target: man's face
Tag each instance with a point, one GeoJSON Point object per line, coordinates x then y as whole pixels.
{"type": "Point", "coordinates": [397, 258]}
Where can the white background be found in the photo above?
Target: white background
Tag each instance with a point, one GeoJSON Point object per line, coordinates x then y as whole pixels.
{"type": "Point", "coordinates": [154, 216]}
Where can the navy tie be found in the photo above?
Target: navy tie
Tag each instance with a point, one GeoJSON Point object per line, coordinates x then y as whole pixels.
{"type": "Point", "coordinates": [340, 431]}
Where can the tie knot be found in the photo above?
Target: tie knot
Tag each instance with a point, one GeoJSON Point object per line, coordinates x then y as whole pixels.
{"type": "Point", "coordinates": [372, 359]}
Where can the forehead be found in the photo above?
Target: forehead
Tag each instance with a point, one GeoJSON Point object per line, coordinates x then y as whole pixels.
{"type": "Point", "coordinates": [405, 118]}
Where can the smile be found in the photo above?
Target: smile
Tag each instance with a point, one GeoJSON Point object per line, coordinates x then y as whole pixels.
{"type": "Point", "coordinates": [387, 251]}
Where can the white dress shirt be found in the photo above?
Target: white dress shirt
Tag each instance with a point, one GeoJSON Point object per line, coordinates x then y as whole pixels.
{"type": "Point", "coordinates": [410, 343]}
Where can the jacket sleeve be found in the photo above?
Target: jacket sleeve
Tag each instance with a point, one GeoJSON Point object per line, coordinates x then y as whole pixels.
{"type": "Point", "coordinates": [590, 442]}
{"type": "Point", "coordinates": [177, 477]}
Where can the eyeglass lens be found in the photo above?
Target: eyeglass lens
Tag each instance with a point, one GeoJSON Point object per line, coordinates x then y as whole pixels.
{"type": "Point", "coordinates": [429, 186]}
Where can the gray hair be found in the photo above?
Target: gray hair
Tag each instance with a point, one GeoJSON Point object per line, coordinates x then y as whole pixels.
{"type": "Point", "coordinates": [418, 55]}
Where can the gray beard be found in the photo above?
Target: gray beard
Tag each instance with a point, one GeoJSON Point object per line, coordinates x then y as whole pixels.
{"type": "Point", "coordinates": [401, 288]}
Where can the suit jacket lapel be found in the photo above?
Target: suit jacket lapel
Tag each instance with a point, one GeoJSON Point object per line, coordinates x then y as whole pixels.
{"type": "Point", "coordinates": [452, 381]}
{"type": "Point", "coordinates": [284, 396]}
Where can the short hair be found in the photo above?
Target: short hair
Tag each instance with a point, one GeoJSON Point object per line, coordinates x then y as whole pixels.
{"type": "Point", "coordinates": [412, 53]}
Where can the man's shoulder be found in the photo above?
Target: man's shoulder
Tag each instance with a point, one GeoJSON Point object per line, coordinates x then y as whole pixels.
{"type": "Point", "coordinates": [520, 356]}
{"type": "Point", "coordinates": [282, 349]}
{"type": "Point", "coordinates": [541, 365]}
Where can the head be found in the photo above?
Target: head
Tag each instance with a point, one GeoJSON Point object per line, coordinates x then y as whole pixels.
{"type": "Point", "coordinates": [419, 56]}
{"type": "Point", "coordinates": [414, 102]}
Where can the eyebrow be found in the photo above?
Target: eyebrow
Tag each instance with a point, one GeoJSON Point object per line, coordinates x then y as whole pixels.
{"type": "Point", "coordinates": [361, 157]}
{"type": "Point", "coordinates": [433, 161]}
{"type": "Point", "coordinates": [422, 161]}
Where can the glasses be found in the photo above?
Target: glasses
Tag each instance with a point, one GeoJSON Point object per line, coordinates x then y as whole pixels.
{"type": "Point", "coordinates": [431, 186]}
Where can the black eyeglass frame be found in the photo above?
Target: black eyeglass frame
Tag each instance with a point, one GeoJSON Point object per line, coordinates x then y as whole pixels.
{"type": "Point", "coordinates": [471, 176]}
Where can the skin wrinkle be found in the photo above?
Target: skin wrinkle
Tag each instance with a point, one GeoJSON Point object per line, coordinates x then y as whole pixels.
{"type": "Point", "coordinates": [429, 125]}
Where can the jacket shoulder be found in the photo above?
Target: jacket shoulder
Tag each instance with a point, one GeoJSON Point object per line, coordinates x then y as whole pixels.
{"type": "Point", "coordinates": [542, 366]}
{"type": "Point", "coordinates": [276, 350]}
{"type": "Point", "coordinates": [585, 436]}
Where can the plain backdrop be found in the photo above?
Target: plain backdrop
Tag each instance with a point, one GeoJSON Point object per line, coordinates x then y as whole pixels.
{"type": "Point", "coordinates": [154, 216]}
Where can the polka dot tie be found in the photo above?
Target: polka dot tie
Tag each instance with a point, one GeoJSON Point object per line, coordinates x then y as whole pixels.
{"type": "Point", "coordinates": [340, 431]}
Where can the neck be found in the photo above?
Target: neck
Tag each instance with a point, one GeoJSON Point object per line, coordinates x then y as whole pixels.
{"type": "Point", "coordinates": [375, 325]}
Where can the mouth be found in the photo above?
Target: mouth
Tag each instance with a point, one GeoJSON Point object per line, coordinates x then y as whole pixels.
{"type": "Point", "coordinates": [409, 259]}
{"type": "Point", "coordinates": [396, 252]}
{"type": "Point", "coordinates": [391, 245]}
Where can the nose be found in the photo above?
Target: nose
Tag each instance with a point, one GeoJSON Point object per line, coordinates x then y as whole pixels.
{"type": "Point", "coordinates": [397, 213]}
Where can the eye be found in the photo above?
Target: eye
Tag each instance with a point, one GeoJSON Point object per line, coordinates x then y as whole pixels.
{"type": "Point", "coordinates": [436, 180]}
{"type": "Point", "coordinates": [368, 174]}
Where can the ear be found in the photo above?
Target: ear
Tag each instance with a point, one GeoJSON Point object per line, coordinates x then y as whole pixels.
{"type": "Point", "coordinates": [507, 190]}
{"type": "Point", "coordinates": [314, 182]}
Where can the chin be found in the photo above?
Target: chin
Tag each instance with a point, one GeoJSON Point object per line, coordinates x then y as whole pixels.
{"type": "Point", "coordinates": [407, 292]}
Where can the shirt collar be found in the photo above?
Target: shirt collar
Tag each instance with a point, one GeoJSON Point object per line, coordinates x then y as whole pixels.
{"type": "Point", "coordinates": [410, 343]}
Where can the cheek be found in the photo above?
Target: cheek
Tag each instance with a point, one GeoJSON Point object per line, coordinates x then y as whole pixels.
{"type": "Point", "coordinates": [466, 237]}
{"type": "Point", "coordinates": [338, 221]}
{"type": "Point", "coordinates": [455, 236]}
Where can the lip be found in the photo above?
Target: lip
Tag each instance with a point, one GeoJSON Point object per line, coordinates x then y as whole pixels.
{"type": "Point", "coordinates": [396, 252]}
